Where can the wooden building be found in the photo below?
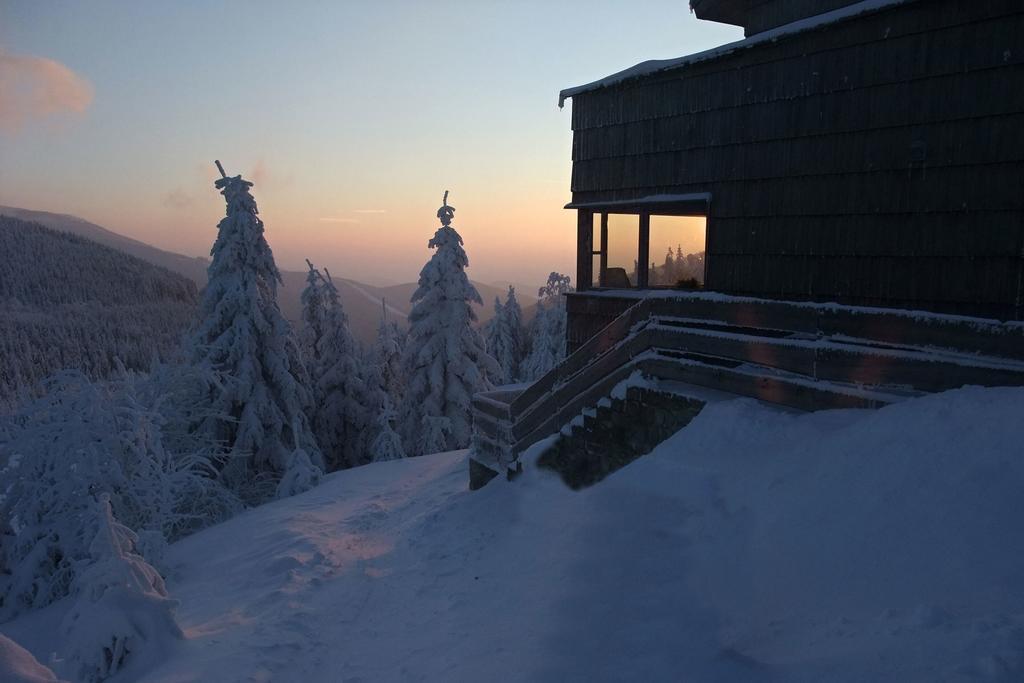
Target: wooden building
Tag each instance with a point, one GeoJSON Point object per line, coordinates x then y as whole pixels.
{"type": "Point", "coordinates": [867, 153]}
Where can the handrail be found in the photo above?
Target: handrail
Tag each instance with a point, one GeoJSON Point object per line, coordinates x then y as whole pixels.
{"type": "Point", "coordinates": [609, 336]}
{"type": "Point", "coordinates": [616, 346]}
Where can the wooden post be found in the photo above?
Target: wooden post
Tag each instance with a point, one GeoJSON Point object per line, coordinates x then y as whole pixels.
{"type": "Point", "coordinates": [603, 274]}
{"type": "Point", "coordinates": [584, 249]}
{"type": "Point", "coordinates": [643, 255]}
{"type": "Point", "coordinates": [707, 245]}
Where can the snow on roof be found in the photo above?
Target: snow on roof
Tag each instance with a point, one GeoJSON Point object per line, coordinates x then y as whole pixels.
{"type": "Point", "coordinates": [655, 65]}
{"type": "Point", "coordinates": [649, 199]}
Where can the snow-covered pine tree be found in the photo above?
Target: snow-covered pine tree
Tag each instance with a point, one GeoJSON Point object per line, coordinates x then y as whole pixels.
{"type": "Point", "coordinates": [514, 325]}
{"type": "Point", "coordinates": [312, 301]}
{"type": "Point", "coordinates": [493, 338]}
{"type": "Point", "coordinates": [387, 354]}
{"type": "Point", "coordinates": [505, 336]}
{"type": "Point", "coordinates": [548, 347]}
{"type": "Point", "coordinates": [445, 361]}
{"type": "Point", "coordinates": [342, 414]}
{"type": "Point", "coordinates": [261, 407]}
{"type": "Point", "coordinates": [382, 379]}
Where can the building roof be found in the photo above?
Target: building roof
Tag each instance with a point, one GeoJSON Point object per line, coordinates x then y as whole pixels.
{"type": "Point", "coordinates": [658, 65]}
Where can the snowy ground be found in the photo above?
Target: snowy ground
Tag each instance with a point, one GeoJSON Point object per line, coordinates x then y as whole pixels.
{"type": "Point", "coordinates": [752, 546]}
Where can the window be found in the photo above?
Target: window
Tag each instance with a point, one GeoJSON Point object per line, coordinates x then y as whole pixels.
{"type": "Point", "coordinates": [656, 241]}
{"type": "Point", "coordinates": [677, 246]}
{"type": "Point", "coordinates": [622, 250]}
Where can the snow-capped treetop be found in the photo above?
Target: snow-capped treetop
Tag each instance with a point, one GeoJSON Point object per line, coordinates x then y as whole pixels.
{"type": "Point", "coordinates": [446, 213]}
{"type": "Point", "coordinates": [555, 287]}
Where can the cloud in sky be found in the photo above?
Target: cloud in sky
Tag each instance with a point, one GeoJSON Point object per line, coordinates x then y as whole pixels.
{"type": "Point", "coordinates": [32, 88]}
{"type": "Point", "coordinates": [177, 199]}
{"type": "Point", "coordinates": [259, 174]}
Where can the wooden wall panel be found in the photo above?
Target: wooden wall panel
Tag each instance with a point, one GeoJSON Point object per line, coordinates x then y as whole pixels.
{"type": "Point", "coordinates": [878, 160]}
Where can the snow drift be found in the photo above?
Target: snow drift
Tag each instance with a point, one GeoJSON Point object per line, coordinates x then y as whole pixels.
{"type": "Point", "coordinates": [17, 665]}
{"type": "Point", "coordinates": [753, 545]}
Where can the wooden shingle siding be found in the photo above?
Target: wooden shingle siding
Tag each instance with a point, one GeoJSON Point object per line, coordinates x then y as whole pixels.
{"type": "Point", "coordinates": [878, 160]}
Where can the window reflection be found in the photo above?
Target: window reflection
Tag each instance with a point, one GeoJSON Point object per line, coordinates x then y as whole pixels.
{"type": "Point", "coordinates": [623, 247]}
{"type": "Point", "coordinates": [677, 251]}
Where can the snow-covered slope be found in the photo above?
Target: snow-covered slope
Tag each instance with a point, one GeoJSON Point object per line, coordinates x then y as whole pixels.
{"type": "Point", "coordinates": [754, 545]}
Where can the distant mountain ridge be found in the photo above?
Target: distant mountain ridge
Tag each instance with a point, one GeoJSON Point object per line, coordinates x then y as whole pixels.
{"type": "Point", "coordinates": [363, 303]}
{"type": "Point", "coordinates": [192, 267]}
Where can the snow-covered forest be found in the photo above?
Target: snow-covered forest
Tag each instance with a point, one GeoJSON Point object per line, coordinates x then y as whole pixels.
{"type": "Point", "coordinates": [69, 303]}
{"type": "Point", "coordinates": [138, 412]}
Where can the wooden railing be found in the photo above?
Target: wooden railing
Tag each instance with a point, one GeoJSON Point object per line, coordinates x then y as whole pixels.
{"type": "Point", "coordinates": [803, 355]}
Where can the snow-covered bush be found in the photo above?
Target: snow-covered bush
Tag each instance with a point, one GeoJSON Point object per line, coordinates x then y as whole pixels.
{"type": "Point", "coordinates": [386, 445]}
{"type": "Point", "coordinates": [83, 438]}
{"type": "Point", "coordinates": [300, 476]}
{"type": "Point", "coordinates": [445, 361]}
{"type": "Point", "coordinates": [433, 434]}
{"type": "Point", "coordinates": [122, 617]}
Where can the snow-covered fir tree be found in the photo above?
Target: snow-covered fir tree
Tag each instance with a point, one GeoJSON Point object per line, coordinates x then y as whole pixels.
{"type": "Point", "coordinates": [242, 335]}
{"type": "Point", "coordinates": [343, 413]}
{"type": "Point", "coordinates": [312, 329]}
{"type": "Point", "coordinates": [548, 337]}
{"type": "Point", "coordinates": [445, 361]}
{"type": "Point", "coordinates": [505, 336]}
{"type": "Point", "coordinates": [387, 355]}
{"type": "Point", "coordinates": [493, 336]}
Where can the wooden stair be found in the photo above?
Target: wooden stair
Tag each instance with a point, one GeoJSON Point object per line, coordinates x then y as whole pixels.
{"type": "Point", "coordinates": [797, 355]}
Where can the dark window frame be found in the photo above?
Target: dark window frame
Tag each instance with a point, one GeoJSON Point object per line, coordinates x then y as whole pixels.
{"type": "Point", "coordinates": [587, 249]}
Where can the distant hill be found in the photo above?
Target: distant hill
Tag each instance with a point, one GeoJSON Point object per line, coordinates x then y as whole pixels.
{"type": "Point", "coordinates": [194, 268]}
{"type": "Point", "coordinates": [362, 302]}
{"type": "Point", "coordinates": [68, 302]}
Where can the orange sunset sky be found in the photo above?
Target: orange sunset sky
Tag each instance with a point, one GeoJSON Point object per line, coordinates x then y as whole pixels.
{"type": "Point", "coordinates": [350, 118]}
